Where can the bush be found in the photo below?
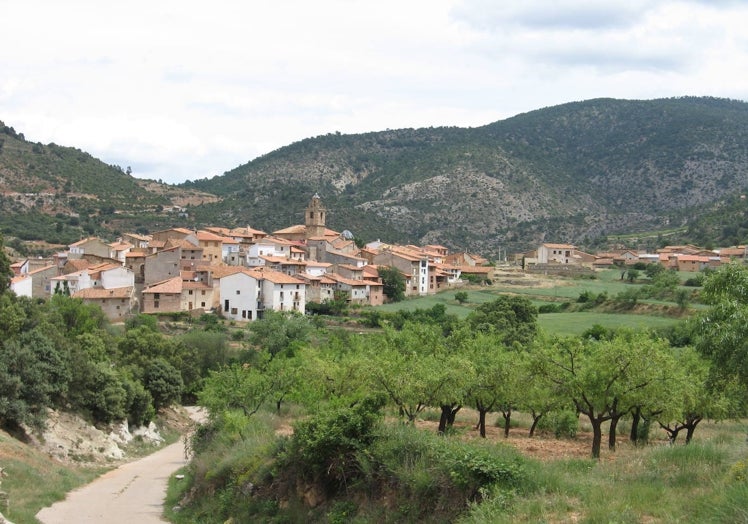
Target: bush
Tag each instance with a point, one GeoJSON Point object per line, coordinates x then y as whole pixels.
{"type": "Point", "coordinates": [163, 382]}
{"type": "Point", "coordinates": [326, 445]}
{"type": "Point", "coordinates": [563, 424]}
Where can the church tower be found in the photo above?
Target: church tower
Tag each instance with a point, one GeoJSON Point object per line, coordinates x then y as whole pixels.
{"type": "Point", "coordinates": [315, 218]}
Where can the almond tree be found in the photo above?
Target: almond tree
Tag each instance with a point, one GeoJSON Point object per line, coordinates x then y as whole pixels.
{"type": "Point", "coordinates": [414, 368]}
{"type": "Point", "coordinates": [698, 397]}
{"type": "Point", "coordinates": [601, 376]}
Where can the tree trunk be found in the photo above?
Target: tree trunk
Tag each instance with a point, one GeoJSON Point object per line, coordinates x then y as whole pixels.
{"type": "Point", "coordinates": [636, 417]}
{"type": "Point", "coordinates": [535, 420]}
{"type": "Point", "coordinates": [482, 422]}
{"type": "Point", "coordinates": [443, 419]}
{"type": "Point", "coordinates": [507, 420]}
{"type": "Point", "coordinates": [452, 414]}
{"type": "Point", "coordinates": [690, 428]}
{"type": "Point", "coordinates": [612, 433]}
{"type": "Point", "coordinates": [597, 436]}
{"type": "Point", "coordinates": [672, 434]}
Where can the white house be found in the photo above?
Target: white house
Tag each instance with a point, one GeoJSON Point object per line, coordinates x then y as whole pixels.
{"type": "Point", "coordinates": [240, 292]}
{"type": "Point", "coordinates": [281, 292]}
{"type": "Point", "coordinates": [22, 285]}
{"type": "Point", "coordinates": [556, 254]}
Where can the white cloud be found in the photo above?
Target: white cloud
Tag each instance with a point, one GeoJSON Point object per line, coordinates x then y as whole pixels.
{"type": "Point", "coordinates": [185, 90]}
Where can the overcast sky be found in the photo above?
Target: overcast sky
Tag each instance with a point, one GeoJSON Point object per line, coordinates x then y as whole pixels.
{"type": "Point", "coordinates": [181, 90]}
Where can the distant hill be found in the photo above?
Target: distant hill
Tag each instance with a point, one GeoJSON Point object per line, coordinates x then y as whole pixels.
{"type": "Point", "coordinates": [60, 194]}
{"type": "Point", "coordinates": [570, 173]}
{"type": "Point", "coordinates": [579, 172]}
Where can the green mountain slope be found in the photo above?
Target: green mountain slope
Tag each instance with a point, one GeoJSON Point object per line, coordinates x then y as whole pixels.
{"type": "Point", "coordinates": [571, 173]}
{"type": "Point", "coordinates": [567, 173]}
{"type": "Point", "coordinates": [60, 194]}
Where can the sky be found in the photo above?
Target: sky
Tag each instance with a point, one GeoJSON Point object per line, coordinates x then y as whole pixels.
{"type": "Point", "coordinates": [184, 90]}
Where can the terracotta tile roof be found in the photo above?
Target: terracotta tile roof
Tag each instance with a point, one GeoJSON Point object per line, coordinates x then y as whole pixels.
{"type": "Point", "coordinates": [229, 240]}
{"type": "Point", "coordinates": [183, 243]}
{"type": "Point", "coordinates": [78, 263]}
{"type": "Point", "coordinates": [171, 286]}
{"type": "Point", "coordinates": [208, 236]}
{"type": "Point", "coordinates": [246, 232]}
{"type": "Point", "coordinates": [560, 246]}
{"type": "Point", "coordinates": [98, 293]}
{"type": "Point", "coordinates": [340, 243]}
{"type": "Point", "coordinates": [348, 281]}
{"type": "Point", "coordinates": [732, 251]}
{"type": "Point", "coordinates": [104, 266]}
{"type": "Point", "coordinates": [313, 263]}
{"type": "Point", "coordinates": [121, 246]}
{"type": "Point", "coordinates": [19, 278]}
{"type": "Point", "coordinates": [156, 243]}
{"type": "Point", "coordinates": [41, 269]}
{"type": "Point", "coordinates": [291, 230]}
{"type": "Point", "coordinates": [135, 254]}
{"type": "Point", "coordinates": [275, 277]}
{"type": "Point", "coordinates": [82, 242]}
{"type": "Point", "coordinates": [283, 260]}
{"type": "Point", "coordinates": [306, 276]}
{"type": "Point", "coordinates": [195, 285]}
{"type": "Point", "coordinates": [135, 236]}
{"type": "Point", "coordinates": [221, 271]}
{"type": "Point", "coordinates": [692, 258]}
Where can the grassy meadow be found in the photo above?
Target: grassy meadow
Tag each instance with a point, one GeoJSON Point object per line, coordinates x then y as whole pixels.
{"type": "Point", "coordinates": [555, 290]}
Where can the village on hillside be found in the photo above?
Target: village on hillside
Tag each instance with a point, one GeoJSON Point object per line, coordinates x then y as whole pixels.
{"type": "Point", "coordinates": [243, 272]}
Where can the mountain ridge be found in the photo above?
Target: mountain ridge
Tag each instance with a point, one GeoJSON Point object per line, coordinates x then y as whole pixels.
{"type": "Point", "coordinates": [575, 173]}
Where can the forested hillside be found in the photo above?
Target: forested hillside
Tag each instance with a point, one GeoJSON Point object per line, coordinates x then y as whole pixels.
{"type": "Point", "coordinates": [61, 194]}
{"type": "Point", "coordinates": [572, 173]}
{"type": "Point", "coordinates": [579, 172]}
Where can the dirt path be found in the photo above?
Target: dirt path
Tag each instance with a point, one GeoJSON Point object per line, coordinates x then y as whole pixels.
{"type": "Point", "coordinates": [134, 492]}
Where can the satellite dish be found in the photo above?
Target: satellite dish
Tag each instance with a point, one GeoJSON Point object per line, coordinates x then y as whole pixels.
{"type": "Point", "coordinates": [347, 235]}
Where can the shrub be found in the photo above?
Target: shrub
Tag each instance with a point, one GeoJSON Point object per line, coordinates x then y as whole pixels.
{"type": "Point", "coordinates": [163, 382]}
{"type": "Point", "coordinates": [563, 424]}
{"type": "Point", "coordinates": [326, 444]}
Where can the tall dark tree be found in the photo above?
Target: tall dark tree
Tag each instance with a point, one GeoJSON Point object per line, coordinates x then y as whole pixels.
{"type": "Point", "coordinates": [5, 272]}
{"type": "Point", "coordinates": [514, 317]}
{"type": "Point", "coordinates": [393, 283]}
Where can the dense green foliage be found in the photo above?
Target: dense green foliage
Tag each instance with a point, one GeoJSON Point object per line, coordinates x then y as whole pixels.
{"type": "Point", "coordinates": [346, 462]}
{"type": "Point", "coordinates": [393, 283]}
{"type": "Point", "coordinates": [62, 354]}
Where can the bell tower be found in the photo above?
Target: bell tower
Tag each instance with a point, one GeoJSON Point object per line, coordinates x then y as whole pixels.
{"type": "Point", "coordinates": [315, 218]}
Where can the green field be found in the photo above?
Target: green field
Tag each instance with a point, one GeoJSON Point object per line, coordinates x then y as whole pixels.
{"type": "Point", "coordinates": [563, 290]}
{"type": "Point", "coordinates": [576, 323]}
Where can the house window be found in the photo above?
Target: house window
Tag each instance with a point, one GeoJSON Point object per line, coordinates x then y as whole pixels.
{"type": "Point", "coordinates": [233, 311]}
{"type": "Point", "coordinates": [156, 296]}
{"type": "Point", "coordinates": [202, 292]}
{"type": "Point", "coordinates": [155, 304]}
{"type": "Point", "coordinates": [190, 292]}
{"type": "Point", "coordinates": [238, 292]}
{"type": "Point", "coordinates": [202, 304]}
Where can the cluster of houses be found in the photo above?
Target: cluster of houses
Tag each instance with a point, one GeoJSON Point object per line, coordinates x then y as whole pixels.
{"type": "Point", "coordinates": [239, 272]}
{"type": "Point", "coordinates": [243, 272]}
{"type": "Point", "coordinates": [678, 258]}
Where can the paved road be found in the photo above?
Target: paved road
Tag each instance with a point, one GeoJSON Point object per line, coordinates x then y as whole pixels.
{"type": "Point", "coordinates": [134, 492]}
